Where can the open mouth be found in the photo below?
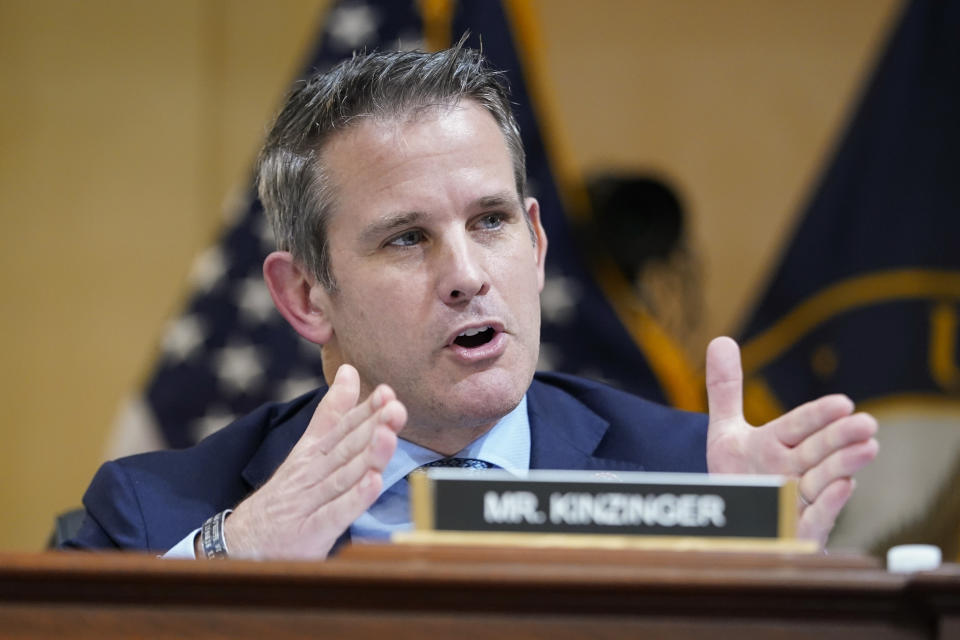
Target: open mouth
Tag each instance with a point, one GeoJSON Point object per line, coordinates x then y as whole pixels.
{"type": "Point", "coordinates": [472, 338]}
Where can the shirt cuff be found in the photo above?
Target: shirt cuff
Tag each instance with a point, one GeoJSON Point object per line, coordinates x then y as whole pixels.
{"type": "Point", "coordinates": [184, 549]}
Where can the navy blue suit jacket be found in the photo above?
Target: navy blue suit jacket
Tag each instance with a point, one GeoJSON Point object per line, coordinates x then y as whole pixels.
{"type": "Point", "coordinates": [152, 500]}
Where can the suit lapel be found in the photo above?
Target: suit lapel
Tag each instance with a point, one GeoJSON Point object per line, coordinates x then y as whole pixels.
{"type": "Point", "coordinates": [565, 433]}
{"type": "Point", "coordinates": [282, 433]}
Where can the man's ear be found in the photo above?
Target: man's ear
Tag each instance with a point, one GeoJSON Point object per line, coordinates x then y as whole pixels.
{"type": "Point", "coordinates": [299, 298]}
{"type": "Point", "coordinates": [539, 238]}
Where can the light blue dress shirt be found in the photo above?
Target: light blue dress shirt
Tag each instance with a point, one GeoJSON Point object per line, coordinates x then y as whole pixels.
{"type": "Point", "coordinates": [506, 445]}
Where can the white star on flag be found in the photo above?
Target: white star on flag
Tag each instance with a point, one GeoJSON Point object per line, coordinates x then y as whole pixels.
{"type": "Point", "coordinates": [183, 337]}
{"type": "Point", "coordinates": [298, 385]}
{"type": "Point", "coordinates": [239, 367]}
{"type": "Point", "coordinates": [352, 26]}
{"type": "Point", "coordinates": [254, 300]}
{"type": "Point", "coordinates": [208, 269]}
{"type": "Point", "coordinates": [559, 298]}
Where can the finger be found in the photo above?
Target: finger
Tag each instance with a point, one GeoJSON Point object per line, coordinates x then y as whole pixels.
{"type": "Point", "coordinates": [350, 490]}
{"type": "Point", "coordinates": [363, 441]}
{"type": "Point", "coordinates": [724, 380]}
{"type": "Point", "coordinates": [840, 433]}
{"type": "Point", "coordinates": [356, 442]}
{"type": "Point", "coordinates": [793, 427]}
{"type": "Point", "coordinates": [817, 520]}
{"type": "Point", "coordinates": [372, 457]}
{"type": "Point", "coordinates": [349, 421]}
{"type": "Point", "coordinates": [842, 463]}
{"type": "Point", "coordinates": [340, 398]}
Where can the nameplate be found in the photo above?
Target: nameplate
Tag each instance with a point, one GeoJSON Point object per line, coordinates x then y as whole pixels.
{"type": "Point", "coordinates": [604, 503]}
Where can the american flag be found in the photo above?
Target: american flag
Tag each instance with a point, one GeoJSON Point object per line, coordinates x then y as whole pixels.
{"type": "Point", "coordinates": [230, 351]}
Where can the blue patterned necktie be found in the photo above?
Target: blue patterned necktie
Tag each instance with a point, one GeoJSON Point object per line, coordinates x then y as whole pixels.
{"type": "Point", "coordinates": [471, 464]}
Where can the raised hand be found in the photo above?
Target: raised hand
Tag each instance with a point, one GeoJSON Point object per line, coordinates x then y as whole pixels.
{"type": "Point", "coordinates": [332, 475]}
{"type": "Point", "coordinates": [822, 443]}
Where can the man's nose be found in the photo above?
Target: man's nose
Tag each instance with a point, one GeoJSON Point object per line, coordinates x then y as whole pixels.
{"type": "Point", "coordinates": [460, 275]}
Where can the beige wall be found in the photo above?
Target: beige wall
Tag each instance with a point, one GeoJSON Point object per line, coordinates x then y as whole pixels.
{"type": "Point", "coordinates": [124, 126]}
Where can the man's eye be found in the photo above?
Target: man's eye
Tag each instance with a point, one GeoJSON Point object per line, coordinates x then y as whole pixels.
{"type": "Point", "coordinates": [406, 239]}
{"type": "Point", "coordinates": [492, 221]}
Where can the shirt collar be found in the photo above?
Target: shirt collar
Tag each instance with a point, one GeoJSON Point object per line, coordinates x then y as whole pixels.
{"type": "Point", "coordinates": [506, 445]}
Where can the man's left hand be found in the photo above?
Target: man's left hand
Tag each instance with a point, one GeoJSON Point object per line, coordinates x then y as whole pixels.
{"type": "Point", "coordinates": [822, 443]}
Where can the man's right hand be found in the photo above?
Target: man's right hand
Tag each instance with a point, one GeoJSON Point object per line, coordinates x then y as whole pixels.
{"type": "Point", "coordinates": [332, 475]}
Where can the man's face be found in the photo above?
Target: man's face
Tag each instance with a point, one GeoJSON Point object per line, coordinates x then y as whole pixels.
{"type": "Point", "coordinates": [438, 277]}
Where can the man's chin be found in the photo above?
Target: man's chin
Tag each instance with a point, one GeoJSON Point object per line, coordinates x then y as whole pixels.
{"type": "Point", "coordinates": [489, 396]}
{"type": "Point", "coordinates": [451, 416]}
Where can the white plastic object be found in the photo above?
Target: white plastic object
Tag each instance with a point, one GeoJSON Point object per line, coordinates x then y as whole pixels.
{"type": "Point", "coordinates": [907, 558]}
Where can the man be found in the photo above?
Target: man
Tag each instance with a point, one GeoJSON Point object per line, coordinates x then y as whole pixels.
{"type": "Point", "coordinates": [407, 250]}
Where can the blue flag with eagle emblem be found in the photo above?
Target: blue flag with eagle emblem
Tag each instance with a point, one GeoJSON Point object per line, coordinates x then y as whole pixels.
{"type": "Point", "coordinates": [230, 351]}
{"type": "Point", "coordinates": [866, 299]}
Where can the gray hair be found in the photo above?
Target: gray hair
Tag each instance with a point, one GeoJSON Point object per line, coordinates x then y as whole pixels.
{"type": "Point", "coordinates": [296, 192]}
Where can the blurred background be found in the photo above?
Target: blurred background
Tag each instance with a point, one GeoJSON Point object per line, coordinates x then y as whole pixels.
{"type": "Point", "coordinates": [128, 131]}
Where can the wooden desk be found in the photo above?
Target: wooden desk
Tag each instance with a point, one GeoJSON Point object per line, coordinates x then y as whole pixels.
{"type": "Point", "coordinates": [432, 592]}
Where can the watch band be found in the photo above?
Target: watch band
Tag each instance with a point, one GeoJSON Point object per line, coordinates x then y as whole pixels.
{"type": "Point", "coordinates": [211, 536]}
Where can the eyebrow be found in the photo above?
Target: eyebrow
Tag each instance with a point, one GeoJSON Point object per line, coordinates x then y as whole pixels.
{"type": "Point", "coordinates": [388, 223]}
{"type": "Point", "coordinates": [503, 199]}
